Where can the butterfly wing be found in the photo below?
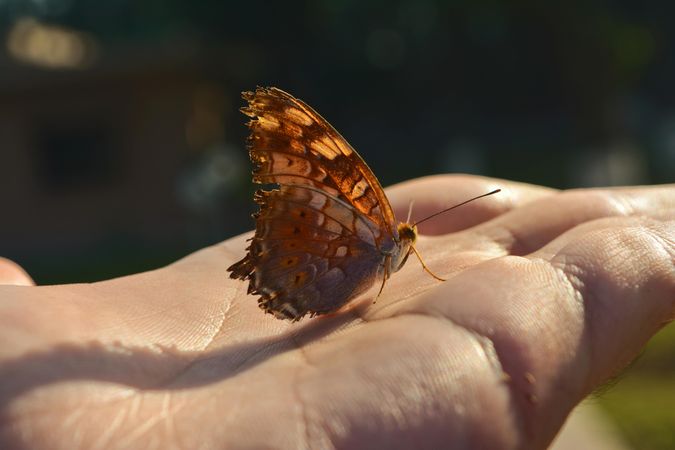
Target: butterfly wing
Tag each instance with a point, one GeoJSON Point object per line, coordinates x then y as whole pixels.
{"type": "Point", "coordinates": [321, 237]}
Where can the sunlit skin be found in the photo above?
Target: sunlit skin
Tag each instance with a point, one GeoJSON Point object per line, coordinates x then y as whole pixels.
{"type": "Point", "coordinates": [548, 295]}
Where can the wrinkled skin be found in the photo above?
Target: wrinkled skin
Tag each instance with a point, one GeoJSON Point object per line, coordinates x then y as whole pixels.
{"type": "Point", "coordinates": [549, 294]}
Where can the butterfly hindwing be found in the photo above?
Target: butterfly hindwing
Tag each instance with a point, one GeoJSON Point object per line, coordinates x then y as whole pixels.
{"type": "Point", "coordinates": [307, 256]}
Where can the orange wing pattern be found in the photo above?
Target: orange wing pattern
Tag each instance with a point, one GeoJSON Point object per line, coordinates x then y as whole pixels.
{"type": "Point", "coordinates": [292, 144]}
{"type": "Point", "coordinates": [323, 236]}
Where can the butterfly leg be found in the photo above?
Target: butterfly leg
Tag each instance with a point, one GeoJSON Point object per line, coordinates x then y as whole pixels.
{"type": "Point", "coordinates": [385, 275]}
{"type": "Point", "coordinates": [424, 266]}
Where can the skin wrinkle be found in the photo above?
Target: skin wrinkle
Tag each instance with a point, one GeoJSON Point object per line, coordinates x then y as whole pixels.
{"type": "Point", "coordinates": [620, 203]}
{"type": "Point", "coordinates": [172, 412]}
{"type": "Point", "coordinates": [105, 438]}
{"type": "Point", "coordinates": [628, 204]}
{"type": "Point", "coordinates": [135, 407]}
{"type": "Point", "coordinates": [74, 416]}
{"type": "Point", "coordinates": [131, 412]}
{"type": "Point", "coordinates": [169, 428]}
{"type": "Point", "coordinates": [575, 285]}
{"type": "Point", "coordinates": [668, 248]}
{"type": "Point", "coordinates": [196, 360]}
{"type": "Point", "coordinates": [234, 369]}
{"type": "Point", "coordinates": [100, 290]}
{"type": "Point", "coordinates": [51, 412]}
{"type": "Point", "coordinates": [127, 441]}
{"type": "Point", "coordinates": [46, 412]}
{"type": "Point", "coordinates": [303, 422]}
{"type": "Point", "coordinates": [666, 245]}
{"type": "Point", "coordinates": [494, 358]}
{"type": "Point", "coordinates": [224, 316]}
{"type": "Point", "coordinates": [615, 205]}
{"type": "Point", "coordinates": [577, 278]}
{"type": "Point", "coordinates": [601, 202]}
{"type": "Point", "coordinates": [306, 423]}
{"type": "Point", "coordinates": [229, 416]}
{"type": "Point", "coordinates": [510, 244]}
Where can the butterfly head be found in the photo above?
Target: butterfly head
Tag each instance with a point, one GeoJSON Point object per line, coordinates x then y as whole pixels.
{"type": "Point", "coordinates": [407, 232]}
{"type": "Point", "coordinates": [407, 235]}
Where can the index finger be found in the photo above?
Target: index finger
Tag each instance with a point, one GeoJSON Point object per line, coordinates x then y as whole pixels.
{"type": "Point", "coordinates": [435, 193]}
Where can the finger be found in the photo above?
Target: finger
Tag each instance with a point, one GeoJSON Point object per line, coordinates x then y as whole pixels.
{"type": "Point", "coordinates": [624, 272]}
{"type": "Point", "coordinates": [435, 193]}
{"type": "Point", "coordinates": [12, 273]}
{"type": "Point", "coordinates": [537, 223]}
{"type": "Point", "coordinates": [559, 327]}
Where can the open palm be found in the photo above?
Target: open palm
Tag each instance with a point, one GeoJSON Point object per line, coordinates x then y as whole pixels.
{"type": "Point", "coordinates": [549, 294]}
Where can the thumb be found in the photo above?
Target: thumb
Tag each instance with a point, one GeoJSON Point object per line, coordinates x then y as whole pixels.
{"type": "Point", "coordinates": [12, 273]}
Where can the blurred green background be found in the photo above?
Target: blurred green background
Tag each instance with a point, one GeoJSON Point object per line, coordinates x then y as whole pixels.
{"type": "Point", "coordinates": [121, 147]}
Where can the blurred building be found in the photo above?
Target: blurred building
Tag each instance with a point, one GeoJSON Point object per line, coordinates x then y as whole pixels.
{"type": "Point", "coordinates": [121, 147]}
{"type": "Point", "coordinates": [93, 152]}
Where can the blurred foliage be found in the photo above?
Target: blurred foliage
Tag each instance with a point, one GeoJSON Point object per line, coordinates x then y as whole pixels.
{"type": "Point", "coordinates": [641, 403]}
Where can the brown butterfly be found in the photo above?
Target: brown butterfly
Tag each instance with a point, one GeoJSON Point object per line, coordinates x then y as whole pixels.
{"type": "Point", "coordinates": [328, 232]}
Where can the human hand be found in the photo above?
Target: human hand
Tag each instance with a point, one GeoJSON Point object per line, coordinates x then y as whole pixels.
{"type": "Point", "coordinates": [549, 294]}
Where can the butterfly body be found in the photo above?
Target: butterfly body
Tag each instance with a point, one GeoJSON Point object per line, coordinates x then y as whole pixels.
{"type": "Point", "coordinates": [325, 232]}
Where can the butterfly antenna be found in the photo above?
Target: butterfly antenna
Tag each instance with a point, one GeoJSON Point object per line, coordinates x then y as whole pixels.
{"type": "Point", "coordinates": [453, 207]}
{"type": "Point", "coordinates": [424, 266]}
{"type": "Point", "coordinates": [412, 202]}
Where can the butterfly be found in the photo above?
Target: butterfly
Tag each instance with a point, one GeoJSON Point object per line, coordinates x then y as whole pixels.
{"type": "Point", "coordinates": [325, 232]}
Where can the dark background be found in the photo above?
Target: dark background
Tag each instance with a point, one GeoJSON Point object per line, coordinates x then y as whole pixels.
{"type": "Point", "coordinates": [121, 145]}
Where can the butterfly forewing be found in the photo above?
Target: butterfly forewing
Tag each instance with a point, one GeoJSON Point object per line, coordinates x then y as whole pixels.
{"type": "Point", "coordinates": [292, 144]}
{"type": "Point", "coordinates": [321, 236]}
